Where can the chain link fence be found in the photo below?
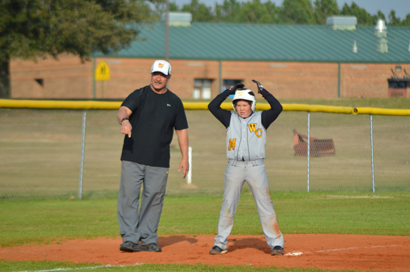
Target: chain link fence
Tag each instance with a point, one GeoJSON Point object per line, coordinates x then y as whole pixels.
{"type": "Point", "coordinates": [43, 155]}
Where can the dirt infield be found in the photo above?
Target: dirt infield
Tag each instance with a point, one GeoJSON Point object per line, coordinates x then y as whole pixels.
{"type": "Point", "coordinates": [324, 251]}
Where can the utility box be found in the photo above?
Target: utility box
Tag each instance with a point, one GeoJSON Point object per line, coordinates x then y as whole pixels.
{"type": "Point", "coordinates": [178, 18]}
{"type": "Point", "coordinates": [342, 22]}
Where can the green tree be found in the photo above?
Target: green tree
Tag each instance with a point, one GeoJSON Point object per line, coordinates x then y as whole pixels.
{"type": "Point", "coordinates": [393, 20]}
{"type": "Point", "coordinates": [173, 7]}
{"type": "Point", "coordinates": [380, 15]}
{"type": "Point", "coordinates": [160, 9]}
{"type": "Point", "coordinates": [323, 9]}
{"type": "Point", "coordinates": [297, 12]}
{"type": "Point", "coordinates": [250, 12]}
{"type": "Point", "coordinates": [256, 12]}
{"type": "Point", "coordinates": [31, 29]}
{"type": "Point", "coordinates": [406, 21]}
{"type": "Point", "coordinates": [363, 17]}
{"type": "Point", "coordinates": [228, 11]}
{"type": "Point", "coordinates": [200, 12]}
{"type": "Point", "coordinates": [273, 12]}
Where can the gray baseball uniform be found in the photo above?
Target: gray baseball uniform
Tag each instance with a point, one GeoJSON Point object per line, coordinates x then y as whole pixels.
{"type": "Point", "coordinates": [245, 144]}
{"type": "Point", "coordinates": [246, 140]}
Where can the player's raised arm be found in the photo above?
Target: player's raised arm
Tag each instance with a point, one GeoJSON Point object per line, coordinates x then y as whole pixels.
{"type": "Point", "coordinates": [214, 107]}
{"type": "Point", "coordinates": [270, 115]}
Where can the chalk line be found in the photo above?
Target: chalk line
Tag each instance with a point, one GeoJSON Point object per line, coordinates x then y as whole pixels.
{"type": "Point", "coordinates": [336, 249]}
{"type": "Point", "coordinates": [78, 268]}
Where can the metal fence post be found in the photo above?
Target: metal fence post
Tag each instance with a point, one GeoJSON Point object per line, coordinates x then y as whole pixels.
{"type": "Point", "coordinates": [308, 152]}
{"type": "Point", "coordinates": [80, 183]}
{"type": "Point", "coordinates": [338, 79]}
{"type": "Point", "coordinates": [189, 176]}
{"type": "Point", "coordinates": [372, 151]}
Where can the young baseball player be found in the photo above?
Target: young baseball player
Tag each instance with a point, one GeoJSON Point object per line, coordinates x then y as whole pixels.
{"type": "Point", "coordinates": [245, 147]}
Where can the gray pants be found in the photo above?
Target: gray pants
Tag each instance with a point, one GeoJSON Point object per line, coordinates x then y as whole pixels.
{"type": "Point", "coordinates": [143, 225]}
{"type": "Point", "coordinates": [254, 173]}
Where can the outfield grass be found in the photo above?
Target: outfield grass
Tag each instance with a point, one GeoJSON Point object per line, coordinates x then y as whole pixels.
{"type": "Point", "coordinates": [46, 221]}
{"type": "Point", "coordinates": [40, 157]}
{"type": "Point", "coordinates": [43, 222]}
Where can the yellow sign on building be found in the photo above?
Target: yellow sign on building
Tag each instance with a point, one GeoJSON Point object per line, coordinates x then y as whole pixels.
{"type": "Point", "coordinates": [102, 72]}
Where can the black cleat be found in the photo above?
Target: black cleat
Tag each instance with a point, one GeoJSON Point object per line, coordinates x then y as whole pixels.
{"type": "Point", "coordinates": [130, 247]}
{"type": "Point", "coordinates": [278, 250]}
{"type": "Point", "coordinates": [217, 250]}
{"type": "Point", "coordinates": [151, 247]}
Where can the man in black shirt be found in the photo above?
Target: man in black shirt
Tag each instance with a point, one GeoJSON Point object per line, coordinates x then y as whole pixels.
{"type": "Point", "coordinates": [148, 117]}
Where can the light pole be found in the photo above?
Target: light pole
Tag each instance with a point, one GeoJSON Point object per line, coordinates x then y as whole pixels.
{"type": "Point", "coordinates": [167, 30]}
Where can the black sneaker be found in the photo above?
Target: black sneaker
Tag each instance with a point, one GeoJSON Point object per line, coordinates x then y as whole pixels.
{"type": "Point", "coordinates": [151, 247]}
{"type": "Point", "coordinates": [129, 246]}
{"type": "Point", "coordinates": [278, 250]}
{"type": "Point", "coordinates": [217, 250]}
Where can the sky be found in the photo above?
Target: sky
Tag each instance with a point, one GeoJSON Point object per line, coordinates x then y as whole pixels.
{"type": "Point", "coordinates": [401, 7]}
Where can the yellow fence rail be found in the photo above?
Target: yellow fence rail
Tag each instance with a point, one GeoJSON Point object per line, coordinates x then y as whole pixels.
{"type": "Point", "coordinates": [110, 105]}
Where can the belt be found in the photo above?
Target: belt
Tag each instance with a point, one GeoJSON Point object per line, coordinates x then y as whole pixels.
{"type": "Point", "coordinates": [242, 162]}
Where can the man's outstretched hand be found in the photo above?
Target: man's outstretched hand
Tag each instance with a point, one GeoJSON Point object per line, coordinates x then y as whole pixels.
{"type": "Point", "coordinates": [184, 165]}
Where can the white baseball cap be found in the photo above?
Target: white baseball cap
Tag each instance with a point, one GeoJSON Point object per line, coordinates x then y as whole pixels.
{"type": "Point", "coordinates": [161, 66]}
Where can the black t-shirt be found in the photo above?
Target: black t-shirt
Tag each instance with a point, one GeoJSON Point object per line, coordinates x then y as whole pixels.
{"type": "Point", "coordinates": [153, 119]}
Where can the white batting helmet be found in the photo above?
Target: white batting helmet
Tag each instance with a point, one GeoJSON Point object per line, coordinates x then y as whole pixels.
{"type": "Point", "coordinates": [244, 94]}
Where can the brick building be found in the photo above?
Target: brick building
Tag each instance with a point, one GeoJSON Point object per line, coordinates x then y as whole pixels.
{"type": "Point", "coordinates": [292, 61]}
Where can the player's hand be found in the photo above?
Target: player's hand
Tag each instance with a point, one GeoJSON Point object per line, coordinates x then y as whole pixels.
{"type": "Point", "coordinates": [126, 128]}
{"type": "Point", "coordinates": [185, 166]}
{"type": "Point", "coordinates": [233, 89]}
{"type": "Point", "coordinates": [260, 87]}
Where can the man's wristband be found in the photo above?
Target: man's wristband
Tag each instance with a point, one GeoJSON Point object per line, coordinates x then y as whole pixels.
{"type": "Point", "coordinates": [125, 118]}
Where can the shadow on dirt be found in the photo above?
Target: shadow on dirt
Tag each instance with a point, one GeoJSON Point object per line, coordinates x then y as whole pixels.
{"type": "Point", "coordinates": [170, 240]}
{"type": "Point", "coordinates": [257, 243]}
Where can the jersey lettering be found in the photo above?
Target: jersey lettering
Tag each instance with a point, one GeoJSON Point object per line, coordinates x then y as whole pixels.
{"type": "Point", "coordinates": [232, 144]}
{"type": "Point", "coordinates": [252, 127]}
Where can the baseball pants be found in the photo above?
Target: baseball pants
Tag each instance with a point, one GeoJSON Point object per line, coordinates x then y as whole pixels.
{"type": "Point", "coordinates": [141, 225]}
{"type": "Point", "coordinates": [254, 173]}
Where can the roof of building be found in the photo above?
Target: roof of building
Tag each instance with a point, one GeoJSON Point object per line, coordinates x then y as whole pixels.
{"type": "Point", "coordinates": [270, 42]}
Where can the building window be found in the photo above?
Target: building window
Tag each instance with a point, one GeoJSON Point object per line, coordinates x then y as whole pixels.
{"type": "Point", "coordinates": [397, 84]}
{"type": "Point", "coordinates": [40, 81]}
{"type": "Point", "coordinates": [202, 88]}
{"type": "Point", "coordinates": [227, 83]}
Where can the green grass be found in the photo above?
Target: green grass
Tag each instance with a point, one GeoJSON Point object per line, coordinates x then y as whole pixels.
{"type": "Point", "coordinates": [12, 266]}
{"type": "Point", "coordinates": [40, 160]}
{"type": "Point", "coordinates": [47, 221]}
{"type": "Point", "coordinates": [43, 222]}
